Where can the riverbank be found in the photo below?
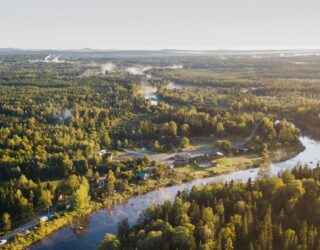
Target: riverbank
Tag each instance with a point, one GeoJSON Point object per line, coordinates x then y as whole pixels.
{"type": "Point", "coordinates": [106, 220]}
{"type": "Point", "coordinates": [308, 129]}
{"type": "Point", "coordinates": [172, 177]}
{"type": "Point", "coordinates": [43, 230]}
{"type": "Point", "coordinates": [245, 161]}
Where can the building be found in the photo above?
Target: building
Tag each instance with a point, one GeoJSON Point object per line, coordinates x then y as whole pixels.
{"type": "Point", "coordinates": [181, 157]}
{"type": "Point", "coordinates": [149, 170]}
{"type": "Point", "coordinates": [181, 160]}
{"type": "Point", "coordinates": [143, 175]}
{"type": "Point", "coordinates": [105, 154]}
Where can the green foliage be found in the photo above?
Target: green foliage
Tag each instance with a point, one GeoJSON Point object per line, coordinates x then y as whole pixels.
{"type": "Point", "coordinates": [81, 197]}
{"type": "Point", "coordinates": [6, 222]}
{"type": "Point", "coordinates": [110, 242]}
{"type": "Point", "coordinates": [272, 213]}
{"type": "Point", "coordinates": [184, 143]}
{"type": "Point", "coordinates": [110, 181]}
{"type": "Point", "coordinates": [224, 145]}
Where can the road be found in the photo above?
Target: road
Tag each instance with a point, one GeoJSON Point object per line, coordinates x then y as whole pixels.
{"type": "Point", "coordinates": [28, 225]}
{"type": "Point", "coordinates": [239, 144]}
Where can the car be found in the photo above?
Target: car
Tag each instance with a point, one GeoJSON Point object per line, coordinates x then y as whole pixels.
{"type": "Point", "coordinates": [24, 231]}
{"type": "Point", "coordinates": [3, 241]}
{"type": "Point", "coordinates": [44, 219]}
{"type": "Point", "coordinates": [52, 216]}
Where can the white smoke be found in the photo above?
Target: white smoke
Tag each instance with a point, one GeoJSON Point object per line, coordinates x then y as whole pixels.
{"type": "Point", "coordinates": [138, 70]}
{"type": "Point", "coordinates": [300, 63]}
{"type": "Point", "coordinates": [297, 54]}
{"type": "Point", "coordinates": [108, 67]}
{"type": "Point", "coordinates": [190, 52]}
{"type": "Point", "coordinates": [141, 70]}
{"type": "Point", "coordinates": [174, 66]}
{"type": "Point", "coordinates": [53, 59]}
{"type": "Point", "coordinates": [48, 59]}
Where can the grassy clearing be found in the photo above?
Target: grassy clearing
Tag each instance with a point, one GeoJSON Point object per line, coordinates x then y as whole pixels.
{"type": "Point", "coordinates": [284, 153]}
{"type": "Point", "coordinates": [235, 163]}
{"type": "Point", "coordinates": [225, 165]}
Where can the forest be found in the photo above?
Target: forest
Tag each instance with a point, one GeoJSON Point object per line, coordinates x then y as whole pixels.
{"type": "Point", "coordinates": [57, 117]}
{"type": "Point", "coordinates": [273, 212]}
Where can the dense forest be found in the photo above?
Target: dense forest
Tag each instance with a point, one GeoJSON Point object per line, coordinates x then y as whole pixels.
{"type": "Point", "coordinates": [280, 212]}
{"type": "Point", "coordinates": [56, 117]}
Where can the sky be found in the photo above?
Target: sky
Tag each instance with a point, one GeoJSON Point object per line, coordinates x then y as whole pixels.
{"type": "Point", "coordinates": [160, 24]}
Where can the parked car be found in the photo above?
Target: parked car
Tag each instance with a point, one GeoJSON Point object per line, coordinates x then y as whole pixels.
{"type": "Point", "coordinates": [3, 241]}
{"type": "Point", "coordinates": [52, 216]}
{"type": "Point", "coordinates": [24, 231]}
{"type": "Point", "coordinates": [44, 218]}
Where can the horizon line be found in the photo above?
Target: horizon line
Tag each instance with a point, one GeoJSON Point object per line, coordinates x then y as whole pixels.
{"type": "Point", "coordinates": [168, 49]}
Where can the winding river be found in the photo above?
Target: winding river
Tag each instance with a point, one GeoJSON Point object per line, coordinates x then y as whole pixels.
{"type": "Point", "coordinates": [101, 222]}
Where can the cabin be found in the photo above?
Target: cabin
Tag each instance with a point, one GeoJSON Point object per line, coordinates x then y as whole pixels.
{"type": "Point", "coordinates": [105, 154]}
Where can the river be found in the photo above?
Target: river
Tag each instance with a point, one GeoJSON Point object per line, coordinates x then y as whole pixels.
{"type": "Point", "coordinates": [150, 93]}
{"type": "Point", "coordinates": [101, 222]}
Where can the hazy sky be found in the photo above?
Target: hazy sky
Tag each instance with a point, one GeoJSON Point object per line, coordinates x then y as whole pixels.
{"type": "Point", "coordinates": [158, 24]}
